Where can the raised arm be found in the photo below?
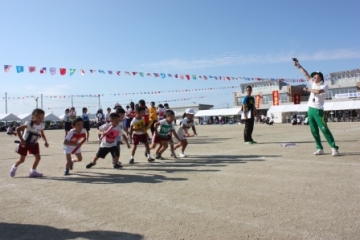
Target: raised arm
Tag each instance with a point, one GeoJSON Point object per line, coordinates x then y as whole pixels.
{"type": "Point", "coordinates": [297, 64]}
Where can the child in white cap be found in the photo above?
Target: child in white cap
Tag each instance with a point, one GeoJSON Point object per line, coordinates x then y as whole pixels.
{"type": "Point", "coordinates": [183, 131]}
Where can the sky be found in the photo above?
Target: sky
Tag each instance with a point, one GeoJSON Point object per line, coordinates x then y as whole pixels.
{"type": "Point", "coordinates": [237, 38]}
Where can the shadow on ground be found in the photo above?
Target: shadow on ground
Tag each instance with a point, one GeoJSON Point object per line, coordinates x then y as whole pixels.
{"type": "Point", "coordinates": [29, 231]}
{"type": "Point", "coordinates": [94, 177]}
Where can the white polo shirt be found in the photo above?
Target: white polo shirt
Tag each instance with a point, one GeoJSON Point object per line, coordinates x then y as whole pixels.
{"type": "Point", "coordinates": [317, 100]}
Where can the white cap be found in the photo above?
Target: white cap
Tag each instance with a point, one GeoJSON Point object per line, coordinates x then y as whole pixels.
{"type": "Point", "coordinates": [99, 109]}
{"type": "Point", "coordinates": [190, 111]}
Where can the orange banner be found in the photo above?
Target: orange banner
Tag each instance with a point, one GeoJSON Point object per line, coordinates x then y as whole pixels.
{"type": "Point", "coordinates": [257, 105]}
{"type": "Point", "coordinates": [275, 96]}
{"type": "Point", "coordinates": [296, 98]}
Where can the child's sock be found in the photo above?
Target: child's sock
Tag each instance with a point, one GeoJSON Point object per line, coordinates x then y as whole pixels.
{"type": "Point", "coordinates": [148, 155]}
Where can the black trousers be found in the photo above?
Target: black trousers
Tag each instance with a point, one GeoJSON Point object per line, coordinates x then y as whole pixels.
{"type": "Point", "coordinates": [249, 127]}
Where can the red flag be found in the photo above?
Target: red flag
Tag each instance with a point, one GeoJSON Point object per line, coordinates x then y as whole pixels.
{"type": "Point", "coordinates": [118, 73]}
{"type": "Point", "coordinates": [275, 96]}
{"type": "Point", "coordinates": [32, 69]}
{"type": "Point", "coordinates": [134, 73]}
{"type": "Point", "coordinates": [62, 71]}
{"type": "Point", "coordinates": [187, 77]}
{"type": "Point", "coordinates": [228, 78]}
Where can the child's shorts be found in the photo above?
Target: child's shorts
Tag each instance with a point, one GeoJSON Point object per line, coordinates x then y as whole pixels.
{"type": "Point", "coordinates": [139, 138]}
{"type": "Point", "coordinates": [102, 152]}
{"type": "Point", "coordinates": [23, 150]}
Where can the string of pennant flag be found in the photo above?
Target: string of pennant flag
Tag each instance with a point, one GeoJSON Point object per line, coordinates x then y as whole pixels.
{"type": "Point", "coordinates": [128, 93]}
{"type": "Point", "coordinates": [72, 71]}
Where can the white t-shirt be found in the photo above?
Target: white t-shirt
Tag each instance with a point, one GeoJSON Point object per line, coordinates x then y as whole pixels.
{"type": "Point", "coordinates": [107, 116]}
{"type": "Point", "coordinates": [317, 100]}
{"type": "Point", "coordinates": [100, 117]}
{"type": "Point", "coordinates": [111, 136]}
{"type": "Point", "coordinates": [67, 117]}
{"type": "Point", "coordinates": [139, 125]}
{"type": "Point", "coordinates": [32, 133]}
{"type": "Point", "coordinates": [165, 128]}
{"type": "Point", "coordinates": [185, 123]}
{"type": "Point", "coordinates": [128, 113]}
{"type": "Point", "coordinates": [75, 137]}
{"type": "Point", "coordinates": [161, 113]}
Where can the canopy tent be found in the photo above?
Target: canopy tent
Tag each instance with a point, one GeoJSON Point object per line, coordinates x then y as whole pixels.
{"type": "Point", "coordinates": [51, 117]}
{"type": "Point", "coordinates": [218, 112]}
{"type": "Point", "coordinates": [328, 106]}
{"type": "Point", "coordinates": [9, 117]}
{"type": "Point", "coordinates": [25, 117]}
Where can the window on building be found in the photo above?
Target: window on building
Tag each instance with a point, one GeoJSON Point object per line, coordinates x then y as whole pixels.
{"type": "Point", "coordinates": [267, 99]}
{"type": "Point", "coordinates": [283, 98]}
{"type": "Point", "coordinates": [239, 101]}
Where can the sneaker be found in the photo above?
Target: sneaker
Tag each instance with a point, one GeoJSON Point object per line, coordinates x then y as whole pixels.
{"type": "Point", "coordinates": [66, 172]}
{"type": "Point", "coordinates": [35, 174]}
{"type": "Point", "coordinates": [150, 159]}
{"type": "Point", "coordinates": [158, 156]}
{"type": "Point", "coordinates": [182, 155]}
{"type": "Point", "coordinates": [319, 152]}
{"type": "Point", "coordinates": [71, 165]}
{"type": "Point", "coordinates": [90, 165]}
{"type": "Point", "coordinates": [253, 141]}
{"type": "Point", "coordinates": [249, 142]}
{"type": "Point", "coordinates": [132, 161]}
{"type": "Point", "coordinates": [335, 152]}
{"type": "Point", "coordinates": [13, 171]}
{"type": "Point", "coordinates": [118, 165]}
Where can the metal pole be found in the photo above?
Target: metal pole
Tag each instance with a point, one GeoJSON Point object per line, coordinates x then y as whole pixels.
{"type": "Point", "coordinates": [42, 105]}
{"type": "Point", "coordinates": [72, 101]}
{"type": "Point", "coordinates": [37, 99]}
{"type": "Point", "coordinates": [99, 100]}
{"type": "Point", "coordinates": [6, 103]}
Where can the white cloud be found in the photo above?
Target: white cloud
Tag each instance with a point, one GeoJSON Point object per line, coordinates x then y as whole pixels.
{"type": "Point", "coordinates": [238, 59]}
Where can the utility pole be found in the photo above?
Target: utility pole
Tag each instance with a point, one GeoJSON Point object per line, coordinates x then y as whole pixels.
{"type": "Point", "coordinates": [36, 100]}
{"type": "Point", "coordinates": [42, 105]}
{"type": "Point", "coordinates": [99, 100]}
{"type": "Point", "coordinates": [6, 103]}
{"type": "Point", "coordinates": [72, 101]}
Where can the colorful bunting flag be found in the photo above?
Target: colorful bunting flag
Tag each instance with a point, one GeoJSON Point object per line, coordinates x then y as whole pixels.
{"type": "Point", "coordinates": [7, 68]}
{"type": "Point", "coordinates": [134, 73]}
{"type": "Point", "coordinates": [19, 69]}
{"type": "Point", "coordinates": [52, 71]}
{"type": "Point", "coordinates": [163, 75]}
{"type": "Point", "coordinates": [141, 74]}
{"type": "Point", "coordinates": [102, 71]}
{"type": "Point", "coordinates": [149, 75]}
{"type": "Point", "coordinates": [92, 71]}
{"type": "Point", "coordinates": [72, 71]}
{"type": "Point", "coordinates": [82, 71]}
{"type": "Point", "coordinates": [110, 72]}
{"type": "Point", "coordinates": [42, 70]}
{"type": "Point", "coordinates": [156, 75]}
{"type": "Point", "coordinates": [32, 69]}
{"type": "Point", "coordinates": [118, 73]}
{"type": "Point", "coordinates": [62, 71]}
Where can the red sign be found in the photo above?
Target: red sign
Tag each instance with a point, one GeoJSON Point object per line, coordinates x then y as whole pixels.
{"type": "Point", "coordinates": [257, 103]}
{"type": "Point", "coordinates": [275, 96]}
{"type": "Point", "coordinates": [296, 98]}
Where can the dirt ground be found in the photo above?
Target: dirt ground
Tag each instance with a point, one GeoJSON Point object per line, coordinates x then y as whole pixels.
{"type": "Point", "coordinates": [224, 189]}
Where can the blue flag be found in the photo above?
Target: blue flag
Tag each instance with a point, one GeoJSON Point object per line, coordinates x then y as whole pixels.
{"type": "Point", "coordinates": [19, 69]}
{"type": "Point", "coordinates": [163, 75]}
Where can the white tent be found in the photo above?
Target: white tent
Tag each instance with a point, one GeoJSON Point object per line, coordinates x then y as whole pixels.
{"type": "Point", "coordinates": [25, 117]}
{"type": "Point", "coordinates": [9, 117]}
{"type": "Point", "coordinates": [51, 117]}
{"type": "Point", "coordinates": [328, 106]}
{"type": "Point", "coordinates": [218, 112]}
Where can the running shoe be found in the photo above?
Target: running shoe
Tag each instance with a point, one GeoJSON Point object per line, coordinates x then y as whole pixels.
{"type": "Point", "coordinates": [335, 152]}
{"type": "Point", "coordinates": [35, 174]}
{"type": "Point", "coordinates": [253, 141]}
{"type": "Point", "coordinates": [158, 156]}
{"type": "Point", "coordinates": [71, 165]}
{"type": "Point", "coordinates": [150, 159]}
{"type": "Point", "coordinates": [319, 152]}
{"type": "Point", "coordinates": [66, 172]}
{"type": "Point", "coordinates": [13, 171]}
{"type": "Point", "coordinates": [90, 165]}
{"type": "Point", "coordinates": [118, 165]}
{"type": "Point", "coordinates": [131, 161]}
{"type": "Point", "coordinates": [182, 155]}
{"type": "Point", "coordinates": [249, 142]}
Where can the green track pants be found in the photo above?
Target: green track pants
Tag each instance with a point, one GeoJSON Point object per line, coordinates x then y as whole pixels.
{"type": "Point", "coordinates": [316, 121]}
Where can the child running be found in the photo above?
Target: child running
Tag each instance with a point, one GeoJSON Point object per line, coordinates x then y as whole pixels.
{"type": "Point", "coordinates": [186, 124]}
{"type": "Point", "coordinates": [138, 133]}
{"type": "Point", "coordinates": [108, 144]}
{"type": "Point", "coordinates": [85, 117]}
{"type": "Point", "coordinates": [162, 135]}
{"type": "Point", "coordinates": [72, 144]}
{"type": "Point", "coordinates": [121, 113]}
{"type": "Point", "coordinates": [10, 131]}
{"type": "Point", "coordinates": [32, 131]}
{"type": "Point", "coordinates": [100, 118]}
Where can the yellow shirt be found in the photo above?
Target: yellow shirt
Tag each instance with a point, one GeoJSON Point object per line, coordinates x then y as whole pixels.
{"type": "Point", "coordinates": [152, 113]}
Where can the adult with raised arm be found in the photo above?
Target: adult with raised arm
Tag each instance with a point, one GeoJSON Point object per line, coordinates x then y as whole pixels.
{"type": "Point", "coordinates": [316, 115]}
